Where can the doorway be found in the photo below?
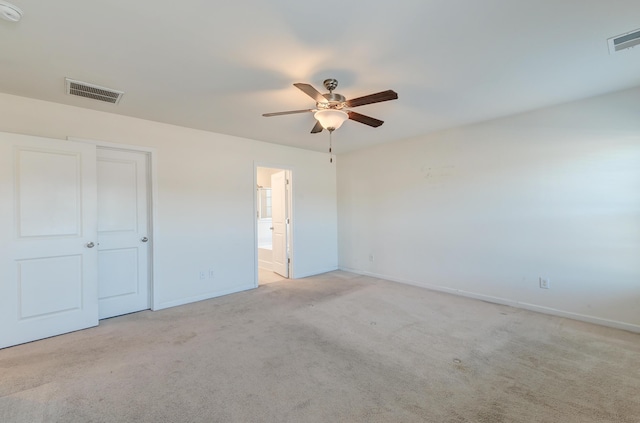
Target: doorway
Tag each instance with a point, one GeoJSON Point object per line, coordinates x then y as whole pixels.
{"type": "Point", "coordinates": [273, 224]}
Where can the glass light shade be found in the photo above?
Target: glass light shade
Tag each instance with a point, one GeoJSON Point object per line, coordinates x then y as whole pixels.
{"type": "Point", "coordinates": [10, 12]}
{"type": "Point", "coordinates": [331, 118]}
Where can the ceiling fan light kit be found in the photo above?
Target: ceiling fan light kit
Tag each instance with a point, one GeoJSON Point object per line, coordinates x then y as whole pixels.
{"type": "Point", "coordinates": [331, 119]}
{"type": "Point", "coordinates": [10, 12]}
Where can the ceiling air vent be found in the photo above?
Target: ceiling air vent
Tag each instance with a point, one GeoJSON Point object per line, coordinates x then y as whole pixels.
{"type": "Point", "coordinates": [624, 41]}
{"type": "Point", "coordinates": [95, 92]}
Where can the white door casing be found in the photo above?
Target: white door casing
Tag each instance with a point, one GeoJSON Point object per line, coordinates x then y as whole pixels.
{"type": "Point", "coordinates": [48, 226]}
{"type": "Point", "coordinates": [279, 217]}
{"type": "Point", "coordinates": [123, 232]}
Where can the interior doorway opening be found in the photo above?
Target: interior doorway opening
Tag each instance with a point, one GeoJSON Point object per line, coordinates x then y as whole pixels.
{"type": "Point", "coordinates": [273, 224]}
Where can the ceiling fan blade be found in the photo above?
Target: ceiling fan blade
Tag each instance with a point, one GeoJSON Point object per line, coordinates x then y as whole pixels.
{"type": "Point", "coordinates": [367, 120]}
{"type": "Point", "coordinates": [311, 92]}
{"type": "Point", "coordinates": [372, 98]}
{"type": "Point", "coordinates": [317, 128]}
{"type": "Point", "coordinates": [291, 112]}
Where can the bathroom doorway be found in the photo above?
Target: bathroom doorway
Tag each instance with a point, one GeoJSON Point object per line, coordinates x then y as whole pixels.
{"type": "Point", "coordinates": [274, 221]}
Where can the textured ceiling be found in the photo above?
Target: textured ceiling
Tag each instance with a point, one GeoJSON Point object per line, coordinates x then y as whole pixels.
{"type": "Point", "coordinates": [218, 66]}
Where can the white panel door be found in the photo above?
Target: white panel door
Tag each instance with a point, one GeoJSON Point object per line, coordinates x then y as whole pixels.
{"type": "Point", "coordinates": [48, 229]}
{"type": "Point", "coordinates": [123, 282]}
{"type": "Point", "coordinates": [279, 223]}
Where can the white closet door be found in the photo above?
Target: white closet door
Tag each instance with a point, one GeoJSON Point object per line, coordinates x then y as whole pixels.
{"type": "Point", "coordinates": [123, 282]}
{"type": "Point", "coordinates": [48, 230]}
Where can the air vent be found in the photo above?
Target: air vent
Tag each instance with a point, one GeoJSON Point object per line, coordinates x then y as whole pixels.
{"type": "Point", "coordinates": [95, 92]}
{"type": "Point", "coordinates": [624, 41]}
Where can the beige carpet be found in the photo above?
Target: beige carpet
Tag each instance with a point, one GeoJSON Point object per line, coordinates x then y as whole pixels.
{"type": "Point", "coordinates": [332, 348]}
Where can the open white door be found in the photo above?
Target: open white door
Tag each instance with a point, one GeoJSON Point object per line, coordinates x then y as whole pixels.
{"type": "Point", "coordinates": [123, 232]}
{"type": "Point", "coordinates": [48, 259]}
{"type": "Point", "coordinates": [279, 220]}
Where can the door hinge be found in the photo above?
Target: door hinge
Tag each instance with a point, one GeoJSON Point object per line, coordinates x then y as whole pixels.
{"type": "Point", "coordinates": [287, 181]}
{"type": "Point", "coordinates": [288, 221]}
{"type": "Point", "coordinates": [289, 261]}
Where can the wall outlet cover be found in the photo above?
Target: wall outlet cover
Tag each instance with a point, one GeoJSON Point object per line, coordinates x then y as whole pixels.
{"type": "Point", "coordinates": [544, 283]}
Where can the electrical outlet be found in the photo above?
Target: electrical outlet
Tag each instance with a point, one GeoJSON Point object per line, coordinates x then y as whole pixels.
{"type": "Point", "coordinates": [544, 283]}
{"type": "Point", "coordinates": [371, 257]}
{"type": "Point", "coordinates": [211, 274]}
{"type": "Point", "coordinates": [202, 275]}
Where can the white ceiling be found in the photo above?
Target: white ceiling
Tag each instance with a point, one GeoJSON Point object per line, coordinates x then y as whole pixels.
{"type": "Point", "coordinates": [218, 66]}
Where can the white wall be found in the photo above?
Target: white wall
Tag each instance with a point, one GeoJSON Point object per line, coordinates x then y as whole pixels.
{"type": "Point", "coordinates": [205, 204]}
{"type": "Point", "coordinates": [264, 176]}
{"type": "Point", "coordinates": [486, 209]}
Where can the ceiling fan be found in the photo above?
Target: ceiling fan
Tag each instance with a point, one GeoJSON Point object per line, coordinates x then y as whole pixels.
{"type": "Point", "coordinates": [332, 109]}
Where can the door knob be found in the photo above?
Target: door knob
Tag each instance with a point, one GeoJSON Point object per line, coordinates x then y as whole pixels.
{"type": "Point", "coordinates": [144, 239]}
{"type": "Point", "coordinates": [271, 228]}
{"type": "Point", "coordinates": [91, 245]}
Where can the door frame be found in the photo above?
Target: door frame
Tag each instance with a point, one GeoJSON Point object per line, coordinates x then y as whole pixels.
{"type": "Point", "coordinates": [290, 210]}
{"type": "Point", "coordinates": [152, 196]}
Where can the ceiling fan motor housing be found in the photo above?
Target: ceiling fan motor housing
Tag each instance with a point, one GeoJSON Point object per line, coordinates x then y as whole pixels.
{"type": "Point", "coordinates": [335, 101]}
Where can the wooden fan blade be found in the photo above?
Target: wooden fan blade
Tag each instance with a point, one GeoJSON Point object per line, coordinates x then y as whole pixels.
{"type": "Point", "coordinates": [367, 120]}
{"type": "Point", "coordinates": [291, 112]}
{"type": "Point", "coordinates": [372, 98]}
{"type": "Point", "coordinates": [317, 128]}
{"type": "Point", "coordinates": [311, 92]}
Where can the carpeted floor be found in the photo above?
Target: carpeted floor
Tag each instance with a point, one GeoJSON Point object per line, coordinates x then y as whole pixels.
{"type": "Point", "coordinates": [332, 348]}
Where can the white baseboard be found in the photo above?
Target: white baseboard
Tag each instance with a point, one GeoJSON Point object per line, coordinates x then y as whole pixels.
{"type": "Point", "coordinates": [207, 296]}
{"type": "Point", "coordinates": [263, 264]}
{"type": "Point", "coordinates": [504, 301]}
{"type": "Point", "coordinates": [314, 273]}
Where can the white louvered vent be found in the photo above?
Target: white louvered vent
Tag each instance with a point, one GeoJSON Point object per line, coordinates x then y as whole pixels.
{"type": "Point", "coordinates": [95, 92]}
{"type": "Point", "coordinates": [624, 41]}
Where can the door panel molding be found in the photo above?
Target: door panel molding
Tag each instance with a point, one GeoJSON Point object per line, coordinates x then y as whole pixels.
{"type": "Point", "coordinates": [39, 200]}
{"type": "Point", "coordinates": [63, 288]}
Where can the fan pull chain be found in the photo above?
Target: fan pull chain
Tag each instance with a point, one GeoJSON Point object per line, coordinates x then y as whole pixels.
{"type": "Point", "coordinates": [330, 146]}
